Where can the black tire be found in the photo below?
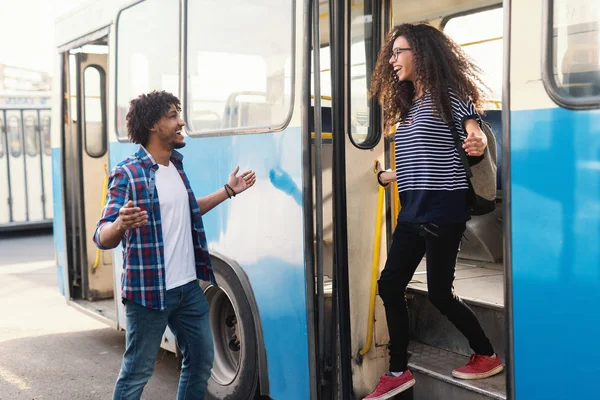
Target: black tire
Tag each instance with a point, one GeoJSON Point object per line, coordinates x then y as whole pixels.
{"type": "Point", "coordinates": [235, 369]}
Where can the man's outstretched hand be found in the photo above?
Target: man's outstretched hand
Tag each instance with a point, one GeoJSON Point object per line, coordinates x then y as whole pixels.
{"type": "Point", "coordinates": [131, 217]}
{"type": "Point", "coordinates": [242, 182]}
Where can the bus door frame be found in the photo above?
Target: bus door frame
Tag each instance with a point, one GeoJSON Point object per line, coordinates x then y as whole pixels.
{"type": "Point", "coordinates": [76, 286]}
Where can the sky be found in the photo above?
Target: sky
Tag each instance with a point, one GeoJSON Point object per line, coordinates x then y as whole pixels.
{"type": "Point", "coordinates": [27, 31]}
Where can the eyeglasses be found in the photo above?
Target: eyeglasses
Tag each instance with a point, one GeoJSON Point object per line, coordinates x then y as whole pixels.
{"type": "Point", "coordinates": [397, 51]}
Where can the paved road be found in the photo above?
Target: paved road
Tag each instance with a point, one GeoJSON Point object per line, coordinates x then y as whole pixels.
{"type": "Point", "coordinates": [26, 247]}
{"type": "Point", "coordinates": [49, 350]}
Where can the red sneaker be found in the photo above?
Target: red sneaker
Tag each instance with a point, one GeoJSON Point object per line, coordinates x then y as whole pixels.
{"type": "Point", "coordinates": [389, 386]}
{"type": "Point", "coordinates": [479, 367]}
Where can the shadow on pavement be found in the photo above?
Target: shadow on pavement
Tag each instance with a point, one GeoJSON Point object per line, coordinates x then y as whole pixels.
{"type": "Point", "coordinates": [26, 246]}
{"type": "Point", "coordinates": [79, 365]}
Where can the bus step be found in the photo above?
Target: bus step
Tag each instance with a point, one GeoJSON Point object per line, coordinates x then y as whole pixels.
{"type": "Point", "coordinates": [432, 368]}
{"type": "Point", "coordinates": [429, 326]}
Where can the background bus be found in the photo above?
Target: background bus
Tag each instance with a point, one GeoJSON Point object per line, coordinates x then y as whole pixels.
{"type": "Point", "coordinates": [297, 315]}
{"type": "Point", "coordinates": [25, 161]}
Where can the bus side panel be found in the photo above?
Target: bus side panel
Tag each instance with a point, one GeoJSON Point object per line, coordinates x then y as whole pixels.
{"type": "Point", "coordinates": [556, 257]}
{"type": "Point", "coordinates": [262, 230]}
{"type": "Point", "coordinates": [59, 233]}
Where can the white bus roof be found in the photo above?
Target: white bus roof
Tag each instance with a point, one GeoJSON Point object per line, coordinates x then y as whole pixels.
{"type": "Point", "coordinates": [92, 16]}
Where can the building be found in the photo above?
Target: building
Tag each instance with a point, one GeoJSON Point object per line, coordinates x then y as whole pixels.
{"type": "Point", "coordinates": [17, 79]}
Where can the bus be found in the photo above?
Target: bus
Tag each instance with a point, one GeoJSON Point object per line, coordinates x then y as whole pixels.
{"type": "Point", "coordinates": [281, 87]}
{"type": "Point", "coordinates": [25, 160]}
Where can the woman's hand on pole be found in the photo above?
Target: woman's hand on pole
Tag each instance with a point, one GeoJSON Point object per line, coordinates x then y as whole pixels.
{"type": "Point", "coordinates": [384, 177]}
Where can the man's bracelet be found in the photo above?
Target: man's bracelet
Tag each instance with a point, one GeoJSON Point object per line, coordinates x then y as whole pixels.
{"type": "Point", "coordinates": [227, 191]}
{"type": "Point", "coordinates": [227, 187]}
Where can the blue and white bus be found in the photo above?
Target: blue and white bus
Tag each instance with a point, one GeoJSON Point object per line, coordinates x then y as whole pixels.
{"type": "Point", "coordinates": [297, 315]}
{"type": "Point", "coordinates": [25, 160]}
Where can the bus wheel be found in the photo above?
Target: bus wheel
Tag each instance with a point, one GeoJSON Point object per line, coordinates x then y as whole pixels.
{"type": "Point", "coordinates": [234, 374]}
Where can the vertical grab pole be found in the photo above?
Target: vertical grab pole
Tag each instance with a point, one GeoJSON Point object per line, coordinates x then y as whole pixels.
{"type": "Point", "coordinates": [374, 272]}
{"type": "Point", "coordinates": [104, 190]}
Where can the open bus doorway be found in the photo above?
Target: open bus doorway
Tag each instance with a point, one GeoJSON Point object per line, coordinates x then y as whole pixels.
{"type": "Point", "coordinates": [436, 346]}
{"type": "Point", "coordinates": [479, 276]}
{"type": "Point", "coordinates": [86, 163]}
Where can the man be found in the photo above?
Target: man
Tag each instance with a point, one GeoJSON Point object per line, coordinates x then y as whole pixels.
{"type": "Point", "coordinates": [151, 209]}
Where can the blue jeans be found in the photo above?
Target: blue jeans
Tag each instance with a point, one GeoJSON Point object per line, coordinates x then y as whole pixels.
{"type": "Point", "coordinates": [187, 317]}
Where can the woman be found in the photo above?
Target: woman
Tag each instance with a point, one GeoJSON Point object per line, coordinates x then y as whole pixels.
{"type": "Point", "coordinates": [424, 82]}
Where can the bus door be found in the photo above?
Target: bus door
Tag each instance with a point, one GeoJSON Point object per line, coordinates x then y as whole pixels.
{"type": "Point", "coordinates": [364, 214]}
{"type": "Point", "coordinates": [348, 38]}
{"type": "Point", "coordinates": [86, 172]}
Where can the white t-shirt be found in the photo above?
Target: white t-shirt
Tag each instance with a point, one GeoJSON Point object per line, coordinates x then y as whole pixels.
{"type": "Point", "coordinates": [180, 265]}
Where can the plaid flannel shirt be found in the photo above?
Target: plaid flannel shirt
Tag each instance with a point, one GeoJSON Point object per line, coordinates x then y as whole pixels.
{"type": "Point", "coordinates": [143, 280]}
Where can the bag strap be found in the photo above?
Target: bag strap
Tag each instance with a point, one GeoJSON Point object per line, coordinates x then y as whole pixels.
{"type": "Point", "coordinates": [461, 151]}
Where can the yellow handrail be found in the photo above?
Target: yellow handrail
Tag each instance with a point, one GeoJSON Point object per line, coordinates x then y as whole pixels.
{"type": "Point", "coordinates": [374, 271]}
{"type": "Point", "coordinates": [324, 135]}
{"type": "Point", "coordinates": [323, 97]}
{"type": "Point", "coordinates": [104, 189]}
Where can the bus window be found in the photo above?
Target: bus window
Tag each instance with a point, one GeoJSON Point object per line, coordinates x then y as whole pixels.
{"type": "Point", "coordinates": [31, 138]}
{"type": "Point", "coordinates": [94, 126]}
{"type": "Point", "coordinates": [363, 50]}
{"type": "Point", "coordinates": [480, 35]}
{"type": "Point", "coordinates": [147, 53]}
{"type": "Point", "coordinates": [239, 72]}
{"type": "Point", "coordinates": [14, 136]}
{"type": "Point", "coordinates": [45, 126]}
{"type": "Point", "coordinates": [575, 51]}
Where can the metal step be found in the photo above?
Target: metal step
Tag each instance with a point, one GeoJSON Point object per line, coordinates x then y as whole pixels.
{"type": "Point", "coordinates": [432, 368]}
{"type": "Point", "coordinates": [481, 288]}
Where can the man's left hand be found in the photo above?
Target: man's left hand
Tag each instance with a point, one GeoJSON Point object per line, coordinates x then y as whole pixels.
{"type": "Point", "coordinates": [242, 182]}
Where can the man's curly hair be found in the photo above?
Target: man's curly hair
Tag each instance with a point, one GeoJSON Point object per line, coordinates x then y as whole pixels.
{"type": "Point", "coordinates": [440, 65]}
{"type": "Point", "coordinates": [145, 111]}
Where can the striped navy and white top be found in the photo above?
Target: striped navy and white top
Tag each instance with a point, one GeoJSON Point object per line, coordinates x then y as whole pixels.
{"type": "Point", "coordinates": [432, 182]}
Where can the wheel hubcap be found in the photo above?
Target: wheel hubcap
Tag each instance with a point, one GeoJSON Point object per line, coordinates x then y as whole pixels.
{"type": "Point", "coordinates": [226, 331]}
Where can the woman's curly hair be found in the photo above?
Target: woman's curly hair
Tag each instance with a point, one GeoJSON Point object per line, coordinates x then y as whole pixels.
{"type": "Point", "coordinates": [439, 64]}
{"type": "Point", "coordinates": [145, 111]}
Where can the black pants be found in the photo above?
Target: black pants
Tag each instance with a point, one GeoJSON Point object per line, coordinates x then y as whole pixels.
{"type": "Point", "coordinates": [410, 243]}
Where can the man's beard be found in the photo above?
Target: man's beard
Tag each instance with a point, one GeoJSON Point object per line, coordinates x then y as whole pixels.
{"type": "Point", "coordinates": [179, 145]}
